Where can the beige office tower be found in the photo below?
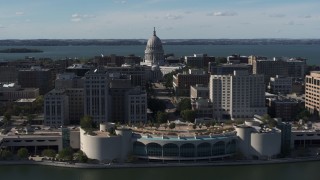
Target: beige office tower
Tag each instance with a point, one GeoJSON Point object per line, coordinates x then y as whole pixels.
{"type": "Point", "coordinates": [312, 94]}
{"type": "Point", "coordinates": [239, 95]}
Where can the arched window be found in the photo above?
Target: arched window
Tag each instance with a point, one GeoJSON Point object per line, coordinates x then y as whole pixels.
{"type": "Point", "coordinates": [187, 150]}
{"type": "Point", "coordinates": [218, 148]}
{"type": "Point", "coordinates": [139, 149]}
{"type": "Point", "coordinates": [170, 150]}
{"type": "Point", "coordinates": [154, 149]}
{"type": "Point", "coordinates": [204, 149]}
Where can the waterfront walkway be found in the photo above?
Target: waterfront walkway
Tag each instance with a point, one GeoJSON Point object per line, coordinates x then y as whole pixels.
{"type": "Point", "coordinates": [158, 165]}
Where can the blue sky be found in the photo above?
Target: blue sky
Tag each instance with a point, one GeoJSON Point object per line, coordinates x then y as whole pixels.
{"type": "Point", "coordinates": [174, 19]}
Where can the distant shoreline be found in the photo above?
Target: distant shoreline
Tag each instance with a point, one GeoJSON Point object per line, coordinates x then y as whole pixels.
{"type": "Point", "coordinates": [159, 165]}
{"type": "Point", "coordinates": [125, 42]}
{"type": "Point", "coordinates": [20, 50]}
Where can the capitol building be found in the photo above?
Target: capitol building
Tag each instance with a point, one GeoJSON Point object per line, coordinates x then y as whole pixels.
{"type": "Point", "coordinates": [154, 53]}
{"type": "Point", "coordinates": [154, 59]}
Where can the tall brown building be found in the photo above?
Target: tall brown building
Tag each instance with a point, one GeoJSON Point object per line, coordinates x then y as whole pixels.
{"type": "Point", "coordinates": [182, 82]}
{"type": "Point", "coordinates": [312, 94]}
{"type": "Point", "coordinates": [36, 77]}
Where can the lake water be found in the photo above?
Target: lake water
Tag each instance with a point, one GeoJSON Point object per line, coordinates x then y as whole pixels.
{"type": "Point", "coordinates": [294, 171]}
{"type": "Point", "coordinates": [310, 52]}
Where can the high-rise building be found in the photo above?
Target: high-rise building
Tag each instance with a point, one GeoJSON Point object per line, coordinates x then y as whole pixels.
{"type": "Point", "coordinates": [137, 106]}
{"type": "Point", "coordinates": [270, 68]}
{"type": "Point", "coordinates": [37, 77]}
{"type": "Point", "coordinates": [239, 95]}
{"type": "Point", "coordinates": [128, 104]}
{"type": "Point", "coordinates": [56, 108]}
{"type": "Point", "coordinates": [154, 53]}
{"type": "Point", "coordinates": [74, 89]}
{"type": "Point", "coordinates": [312, 92]}
{"type": "Point", "coordinates": [96, 92]}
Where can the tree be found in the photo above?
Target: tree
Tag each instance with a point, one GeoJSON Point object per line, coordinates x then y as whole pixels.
{"type": "Point", "coordinates": [30, 117]}
{"type": "Point", "coordinates": [184, 104]}
{"type": "Point", "coordinates": [172, 125]}
{"type": "Point", "coordinates": [5, 154]}
{"type": "Point", "coordinates": [112, 131]}
{"type": "Point", "coordinates": [168, 79]}
{"type": "Point", "coordinates": [80, 156]}
{"type": "Point", "coordinates": [156, 105]}
{"type": "Point", "coordinates": [7, 116]}
{"type": "Point", "coordinates": [39, 104]}
{"type": "Point", "coordinates": [188, 115]}
{"type": "Point", "coordinates": [66, 154]}
{"type": "Point", "coordinates": [162, 117]}
{"type": "Point", "coordinates": [49, 153]}
{"type": "Point", "coordinates": [23, 153]}
{"type": "Point", "coordinates": [86, 123]}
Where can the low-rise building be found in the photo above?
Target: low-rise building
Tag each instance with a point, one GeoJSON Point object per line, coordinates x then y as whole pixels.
{"type": "Point", "coordinates": [183, 81]}
{"type": "Point", "coordinates": [280, 85]}
{"type": "Point", "coordinates": [199, 91]}
{"type": "Point", "coordinates": [11, 92]}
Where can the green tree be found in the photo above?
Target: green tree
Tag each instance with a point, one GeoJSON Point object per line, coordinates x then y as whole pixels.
{"type": "Point", "coordinates": [188, 115]}
{"type": "Point", "coordinates": [194, 126]}
{"type": "Point", "coordinates": [184, 104]}
{"type": "Point", "coordinates": [168, 79]}
{"type": "Point", "coordinates": [49, 153]}
{"type": "Point", "coordinates": [156, 105]}
{"type": "Point", "coordinates": [23, 153]}
{"type": "Point", "coordinates": [112, 131]}
{"type": "Point", "coordinates": [6, 154]}
{"type": "Point", "coordinates": [7, 118]}
{"type": "Point", "coordinates": [172, 125]}
{"type": "Point", "coordinates": [80, 156]}
{"type": "Point", "coordinates": [86, 123]}
{"type": "Point", "coordinates": [30, 118]}
{"type": "Point", "coordinates": [66, 154]}
{"type": "Point", "coordinates": [39, 104]}
{"type": "Point", "coordinates": [162, 117]}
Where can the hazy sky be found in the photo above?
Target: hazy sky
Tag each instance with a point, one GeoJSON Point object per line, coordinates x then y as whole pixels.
{"type": "Point", "coordinates": [173, 19]}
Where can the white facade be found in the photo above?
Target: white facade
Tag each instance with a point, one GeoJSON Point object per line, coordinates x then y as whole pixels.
{"type": "Point", "coordinates": [154, 53]}
{"type": "Point", "coordinates": [107, 148]}
{"type": "Point", "coordinates": [96, 95]}
{"type": "Point", "coordinates": [239, 95]}
{"type": "Point", "coordinates": [56, 108]}
{"type": "Point", "coordinates": [261, 144]}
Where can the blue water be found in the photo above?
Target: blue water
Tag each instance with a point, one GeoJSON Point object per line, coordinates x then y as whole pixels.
{"type": "Point", "coordinates": [294, 171]}
{"type": "Point", "coordinates": [310, 52]}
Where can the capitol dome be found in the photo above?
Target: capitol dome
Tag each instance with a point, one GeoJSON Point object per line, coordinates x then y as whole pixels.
{"type": "Point", "coordinates": [154, 54]}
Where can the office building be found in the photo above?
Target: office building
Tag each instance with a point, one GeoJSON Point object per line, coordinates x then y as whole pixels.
{"type": "Point", "coordinates": [312, 92]}
{"type": "Point", "coordinates": [56, 108]}
{"type": "Point", "coordinates": [96, 93]}
{"type": "Point", "coordinates": [240, 95]}
{"type": "Point", "coordinates": [37, 77]}
{"type": "Point", "coordinates": [183, 81]}
{"type": "Point", "coordinates": [280, 85]}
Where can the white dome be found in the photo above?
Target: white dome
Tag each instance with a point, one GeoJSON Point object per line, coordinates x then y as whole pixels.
{"type": "Point", "coordinates": [154, 53]}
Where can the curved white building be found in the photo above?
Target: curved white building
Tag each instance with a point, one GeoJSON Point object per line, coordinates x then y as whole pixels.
{"type": "Point", "coordinates": [258, 143]}
{"type": "Point", "coordinates": [184, 148]}
{"type": "Point", "coordinates": [105, 147]}
{"type": "Point", "coordinates": [266, 144]}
